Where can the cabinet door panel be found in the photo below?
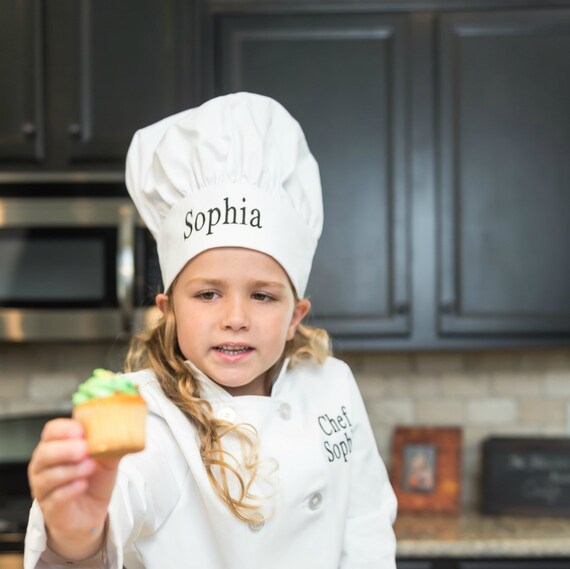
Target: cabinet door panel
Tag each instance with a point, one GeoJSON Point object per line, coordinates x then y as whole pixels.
{"type": "Point", "coordinates": [120, 73]}
{"type": "Point", "coordinates": [343, 79]}
{"type": "Point", "coordinates": [504, 173]}
{"type": "Point", "coordinates": [21, 86]}
{"type": "Point", "coordinates": [515, 564]}
{"type": "Point", "coordinates": [413, 564]}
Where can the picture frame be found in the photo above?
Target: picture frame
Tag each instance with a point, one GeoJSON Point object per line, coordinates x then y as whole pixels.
{"type": "Point", "coordinates": [426, 469]}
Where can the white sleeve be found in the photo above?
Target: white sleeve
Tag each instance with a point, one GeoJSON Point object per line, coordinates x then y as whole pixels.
{"type": "Point", "coordinates": [144, 495]}
{"type": "Point", "coordinates": [369, 540]}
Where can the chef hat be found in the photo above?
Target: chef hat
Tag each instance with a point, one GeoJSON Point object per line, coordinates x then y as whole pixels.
{"type": "Point", "coordinates": [234, 172]}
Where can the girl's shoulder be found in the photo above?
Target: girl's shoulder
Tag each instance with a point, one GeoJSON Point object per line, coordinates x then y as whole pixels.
{"type": "Point", "coordinates": [332, 374]}
{"type": "Point", "coordinates": [331, 365]}
{"type": "Point", "coordinates": [140, 378]}
{"type": "Point", "coordinates": [323, 389]}
{"type": "Point", "coordinates": [151, 392]}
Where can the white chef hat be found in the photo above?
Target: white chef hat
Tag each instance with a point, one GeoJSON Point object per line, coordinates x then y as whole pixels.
{"type": "Point", "coordinates": [234, 172]}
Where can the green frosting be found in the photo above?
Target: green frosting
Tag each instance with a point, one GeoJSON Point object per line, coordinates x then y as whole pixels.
{"type": "Point", "coordinates": [103, 383]}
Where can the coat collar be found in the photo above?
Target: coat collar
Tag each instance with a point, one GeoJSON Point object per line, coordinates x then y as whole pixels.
{"type": "Point", "coordinates": [211, 391]}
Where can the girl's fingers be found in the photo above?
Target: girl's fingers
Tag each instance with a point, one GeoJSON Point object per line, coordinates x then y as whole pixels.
{"type": "Point", "coordinates": [60, 457]}
{"type": "Point", "coordinates": [62, 429]}
{"type": "Point", "coordinates": [56, 452]}
{"type": "Point", "coordinates": [58, 477]}
{"type": "Point", "coordinates": [54, 501]}
{"type": "Point", "coordinates": [61, 441]}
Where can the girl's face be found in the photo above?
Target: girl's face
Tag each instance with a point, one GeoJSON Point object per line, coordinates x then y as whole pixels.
{"type": "Point", "coordinates": [234, 311]}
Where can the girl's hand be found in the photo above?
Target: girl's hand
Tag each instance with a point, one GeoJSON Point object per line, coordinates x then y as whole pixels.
{"type": "Point", "coordinates": [72, 489]}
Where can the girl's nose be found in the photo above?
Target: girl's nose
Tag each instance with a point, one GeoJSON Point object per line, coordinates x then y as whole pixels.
{"type": "Point", "coordinates": [235, 315]}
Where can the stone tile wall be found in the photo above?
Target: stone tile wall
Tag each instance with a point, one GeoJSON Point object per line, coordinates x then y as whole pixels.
{"type": "Point", "coordinates": [42, 377]}
{"type": "Point", "coordinates": [486, 393]}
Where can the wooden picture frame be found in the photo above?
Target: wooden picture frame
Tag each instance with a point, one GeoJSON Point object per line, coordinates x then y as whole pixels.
{"type": "Point", "coordinates": [426, 469]}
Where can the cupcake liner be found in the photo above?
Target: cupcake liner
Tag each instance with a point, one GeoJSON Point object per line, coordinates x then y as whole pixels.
{"type": "Point", "coordinates": [114, 426]}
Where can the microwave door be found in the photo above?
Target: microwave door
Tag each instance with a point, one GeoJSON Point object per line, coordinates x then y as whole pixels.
{"type": "Point", "coordinates": [67, 278]}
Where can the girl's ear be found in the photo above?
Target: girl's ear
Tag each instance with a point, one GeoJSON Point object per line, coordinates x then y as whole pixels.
{"type": "Point", "coordinates": [302, 307]}
{"type": "Point", "coordinates": [162, 301]}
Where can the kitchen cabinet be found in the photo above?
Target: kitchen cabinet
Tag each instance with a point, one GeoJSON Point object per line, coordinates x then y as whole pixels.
{"type": "Point", "coordinates": [401, 564]}
{"type": "Point", "coordinates": [515, 564]}
{"type": "Point", "coordinates": [80, 76]}
{"type": "Point", "coordinates": [316, 67]}
{"type": "Point", "coordinates": [442, 137]}
{"type": "Point", "coordinates": [511, 563]}
{"type": "Point", "coordinates": [442, 141]}
{"type": "Point", "coordinates": [504, 183]}
{"type": "Point", "coordinates": [21, 90]}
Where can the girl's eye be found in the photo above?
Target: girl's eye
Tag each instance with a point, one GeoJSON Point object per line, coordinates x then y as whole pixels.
{"type": "Point", "coordinates": [207, 295]}
{"type": "Point", "coordinates": [262, 297]}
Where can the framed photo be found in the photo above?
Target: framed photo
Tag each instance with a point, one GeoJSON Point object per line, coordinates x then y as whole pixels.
{"type": "Point", "coordinates": [426, 468]}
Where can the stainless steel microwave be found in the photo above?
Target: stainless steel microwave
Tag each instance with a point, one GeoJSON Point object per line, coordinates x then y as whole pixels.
{"type": "Point", "coordinates": [74, 269]}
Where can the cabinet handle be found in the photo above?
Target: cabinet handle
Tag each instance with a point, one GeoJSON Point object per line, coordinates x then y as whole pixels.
{"type": "Point", "coordinates": [29, 129]}
{"type": "Point", "coordinates": [74, 129]}
{"type": "Point", "coordinates": [402, 308]}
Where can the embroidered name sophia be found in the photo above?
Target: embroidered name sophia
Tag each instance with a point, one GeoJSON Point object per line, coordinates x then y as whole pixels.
{"type": "Point", "coordinates": [337, 428]}
{"type": "Point", "coordinates": [226, 215]}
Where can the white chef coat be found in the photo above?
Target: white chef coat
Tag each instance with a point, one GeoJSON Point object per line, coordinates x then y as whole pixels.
{"type": "Point", "coordinates": [333, 508]}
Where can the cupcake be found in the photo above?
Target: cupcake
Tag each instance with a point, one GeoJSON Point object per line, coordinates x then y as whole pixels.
{"type": "Point", "coordinates": [113, 414]}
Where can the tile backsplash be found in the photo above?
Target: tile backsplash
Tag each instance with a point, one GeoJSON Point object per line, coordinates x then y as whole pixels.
{"type": "Point", "coordinates": [42, 377]}
{"type": "Point", "coordinates": [485, 393]}
{"type": "Point", "coordinates": [499, 393]}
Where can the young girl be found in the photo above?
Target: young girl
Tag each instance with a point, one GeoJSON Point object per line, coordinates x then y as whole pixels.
{"type": "Point", "coordinates": [259, 450]}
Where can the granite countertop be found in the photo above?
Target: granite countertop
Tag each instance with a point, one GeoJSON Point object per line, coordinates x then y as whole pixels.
{"type": "Point", "coordinates": [474, 535]}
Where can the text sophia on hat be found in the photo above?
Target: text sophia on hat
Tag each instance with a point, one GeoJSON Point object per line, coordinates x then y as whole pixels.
{"type": "Point", "coordinates": [227, 215]}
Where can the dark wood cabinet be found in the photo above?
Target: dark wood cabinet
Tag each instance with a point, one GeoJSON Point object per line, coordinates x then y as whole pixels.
{"type": "Point", "coordinates": [83, 76]}
{"type": "Point", "coordinates": [22, 85]}
{"type": "Point", "coordinates": [504, 563]}
{"type": "Point", "coordinates": [515, 564]}
{"type": "Point", "coordinates": [504, 183]}
{"type": "Point", "coordinates": [317, 67]}
{"type": "Point", "coordinates": [401, 564]}
{"type": "Point", "coordinates": [442, 139]}
{"type": "Point", "coordinates": [441, 134]}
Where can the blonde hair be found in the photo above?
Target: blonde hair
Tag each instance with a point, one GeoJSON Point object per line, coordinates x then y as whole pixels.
{"type": "Point", "coordinates": [158, 350]}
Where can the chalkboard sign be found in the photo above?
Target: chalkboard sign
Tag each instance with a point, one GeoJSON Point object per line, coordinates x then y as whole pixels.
{"type": "Point", "coordinates": [526, 476]}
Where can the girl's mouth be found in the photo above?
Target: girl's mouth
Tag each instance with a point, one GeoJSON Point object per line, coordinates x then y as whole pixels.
{"type": "Point", "coordinates": [230, 350]}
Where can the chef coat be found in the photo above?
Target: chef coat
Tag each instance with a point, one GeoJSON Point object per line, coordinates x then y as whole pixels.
{"type": "Point", "coordinates": [333, 506]}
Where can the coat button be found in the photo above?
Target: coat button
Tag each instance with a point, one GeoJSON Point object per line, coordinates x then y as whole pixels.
{"type": "Point", "coordinates": [315, 500]}
{"type": "Point", "coordinates": [257, 525]}
{"type": "Point", "coordinates": [226, 414]}
{"type": "Point", "coordinates": [285, 411]}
